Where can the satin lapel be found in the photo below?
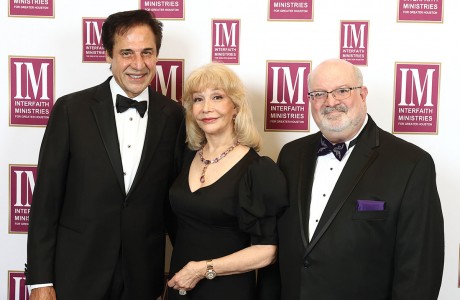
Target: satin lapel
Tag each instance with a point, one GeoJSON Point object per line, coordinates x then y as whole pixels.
{"type": "Point", "coordinates": [360, 160]}
{"type": "Point", "coordinates": [155, 125]}
{"type": "Point", "coordinates": [105, 119]}
{"type": "Point", "coordinates": [305, 181]}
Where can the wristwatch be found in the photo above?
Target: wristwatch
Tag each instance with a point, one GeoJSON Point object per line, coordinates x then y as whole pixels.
{"type": "Point", "coordinates": [210, 273]}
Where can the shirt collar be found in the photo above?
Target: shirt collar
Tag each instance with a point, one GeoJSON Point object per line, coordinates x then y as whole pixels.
{"type": "Point", "coordinates": [116, 89]}
{"type": "Point", "coordinates": [356, 135]}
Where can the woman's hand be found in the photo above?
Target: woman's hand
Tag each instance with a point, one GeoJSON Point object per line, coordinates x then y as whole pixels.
{"type": "Point", "coordinates": [187, 278]}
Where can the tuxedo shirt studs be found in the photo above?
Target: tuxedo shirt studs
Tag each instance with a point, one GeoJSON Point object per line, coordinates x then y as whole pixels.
{"type": "Point", "coordinates": [131, 128]}
{"type": "Point", "coordinates": [327, 172]}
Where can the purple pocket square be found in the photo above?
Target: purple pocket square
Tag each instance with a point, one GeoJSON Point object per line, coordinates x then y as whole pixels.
{"type": "Point", "coordinates": [370, 205]}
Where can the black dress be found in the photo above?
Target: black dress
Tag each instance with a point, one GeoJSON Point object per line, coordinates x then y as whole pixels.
{"type": "Point", "coordinates": [238, 210]}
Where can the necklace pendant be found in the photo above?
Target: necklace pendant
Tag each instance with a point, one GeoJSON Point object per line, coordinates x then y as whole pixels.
{"type": "Point", "coordinates": [202, 178]}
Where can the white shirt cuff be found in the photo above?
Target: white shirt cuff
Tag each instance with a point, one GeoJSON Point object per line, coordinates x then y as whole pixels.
{"type": "Point", "coordinates": [34, 286]}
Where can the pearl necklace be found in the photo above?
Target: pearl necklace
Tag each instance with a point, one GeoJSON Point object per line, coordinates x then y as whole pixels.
{"type": "Point", "coordinates": [207, 162]}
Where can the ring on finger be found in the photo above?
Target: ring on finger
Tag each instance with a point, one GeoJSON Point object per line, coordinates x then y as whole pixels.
{"type": "Point", "coordinates": [182, 292]}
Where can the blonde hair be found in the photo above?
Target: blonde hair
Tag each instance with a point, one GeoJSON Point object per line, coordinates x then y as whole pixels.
{"type": "Point", "coordinates": [219, 76]}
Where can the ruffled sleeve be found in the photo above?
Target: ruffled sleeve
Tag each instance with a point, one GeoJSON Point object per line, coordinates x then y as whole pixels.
{"type": "Point", "coordinates": [262, 197]}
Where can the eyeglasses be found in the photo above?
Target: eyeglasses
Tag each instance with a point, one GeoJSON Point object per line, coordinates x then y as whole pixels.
{"type": "Point", "coordinates": [338, 94]}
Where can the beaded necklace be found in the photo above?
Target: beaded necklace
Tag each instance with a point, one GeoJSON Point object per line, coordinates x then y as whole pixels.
{"type": "Point", "coordinates": [207, 162]}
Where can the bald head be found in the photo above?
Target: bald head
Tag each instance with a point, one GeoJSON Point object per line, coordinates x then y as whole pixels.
{"type": "Point", "coordinates": [337, 67]}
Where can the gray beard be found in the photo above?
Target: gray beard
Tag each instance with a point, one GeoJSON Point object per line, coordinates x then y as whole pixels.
{"type": "Point", "coordinates": [346, 124]}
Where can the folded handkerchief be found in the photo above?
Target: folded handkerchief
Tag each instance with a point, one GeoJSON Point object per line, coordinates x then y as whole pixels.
{"type": "Point", "coordinates": [370, 205]}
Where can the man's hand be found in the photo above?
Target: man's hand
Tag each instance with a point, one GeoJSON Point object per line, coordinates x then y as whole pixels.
{"type": "Point", "coordinates": [43, 293]}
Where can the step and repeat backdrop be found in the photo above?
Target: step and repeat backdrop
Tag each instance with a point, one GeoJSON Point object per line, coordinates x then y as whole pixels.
{"type": "Point", "coordinates": [407, 50]}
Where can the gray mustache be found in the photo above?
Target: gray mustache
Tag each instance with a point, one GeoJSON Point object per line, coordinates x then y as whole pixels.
{"type": "Point", "coordinates": [339, 108]}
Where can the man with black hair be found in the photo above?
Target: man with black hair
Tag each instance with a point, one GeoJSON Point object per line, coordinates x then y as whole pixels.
{"type": "Point", "coordinates": [108, 157]}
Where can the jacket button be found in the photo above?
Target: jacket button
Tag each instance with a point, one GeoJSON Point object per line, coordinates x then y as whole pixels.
{"type": "Point", "coordinates": [306, 264]}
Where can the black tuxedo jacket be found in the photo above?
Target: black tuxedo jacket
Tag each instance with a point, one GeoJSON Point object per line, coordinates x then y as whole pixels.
{"type": "Point", "coordinates": [396, 253]}
{"type": "Point", "coordinates": [81, 219]}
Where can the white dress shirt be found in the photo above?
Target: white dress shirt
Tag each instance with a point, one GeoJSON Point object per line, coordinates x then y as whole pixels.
{"type": "Point", "coordinates": [131, 129]}
{"type": "Point", "coordinates": [327, 172]}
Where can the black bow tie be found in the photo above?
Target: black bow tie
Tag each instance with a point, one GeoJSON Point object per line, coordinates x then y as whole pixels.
{"type": "Point", "coordinates": [123, 103]}
{"type": "Point", "coordinates": [338, 150]}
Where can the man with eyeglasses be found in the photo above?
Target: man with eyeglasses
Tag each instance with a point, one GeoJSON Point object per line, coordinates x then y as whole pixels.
{"type": "Point", "coordinates": [365, 218]}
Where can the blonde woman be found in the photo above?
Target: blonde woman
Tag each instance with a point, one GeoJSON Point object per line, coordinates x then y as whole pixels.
{"type": "Point", "coordinates": [227, 197]}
